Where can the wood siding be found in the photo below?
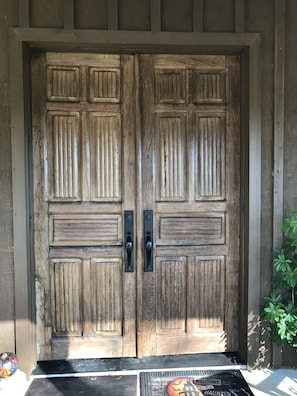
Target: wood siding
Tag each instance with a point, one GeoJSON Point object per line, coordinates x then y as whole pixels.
{"type": "Point", "coordinates": [274, 20]}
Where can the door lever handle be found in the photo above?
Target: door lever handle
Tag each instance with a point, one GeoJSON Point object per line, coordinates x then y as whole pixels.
{"type": "Point", "coordinates": [129, 256]}
{"type": "Point", "coordinates": [149, 246]}
{"type": "Point", "coordinates": [148, 240]}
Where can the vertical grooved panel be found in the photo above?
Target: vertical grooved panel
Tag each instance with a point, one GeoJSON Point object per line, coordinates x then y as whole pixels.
{"type": "Point", "coordinates": [170, 86]}
{"type": "Point", "coordinates": [171, 298]}
{"type": "Point", "coordinates": [105, 160]}
{"type": "Point", "coordinates": [104, 85]}
{"type": "Point", "coordinates": [64, 155]}
{"type": "Point", "coordinates": [210, 87]}
{"type": "Point", "coordinates": [106, 306]}
{"type": "Point", "coordinates": [63, 83]}
{"type": "Point", "coordinates": [210, 158]}
{"type": "Point", "coordinates": [207, 284]}
{"type": "Point", "coordinates": [171, 157]}
{"type": "Point", "coordinates": [66, 297]}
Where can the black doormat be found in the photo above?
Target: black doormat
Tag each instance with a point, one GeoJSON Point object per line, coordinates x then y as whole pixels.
{"type": "Point", "coordinates": [194, 383]}
{"type": "Point", "coordinates": [120, 385]}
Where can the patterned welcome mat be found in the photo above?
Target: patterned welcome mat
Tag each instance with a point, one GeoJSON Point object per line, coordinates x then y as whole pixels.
{"type": "Point", "coordinates": [120, 385]}
{"type": "Point", "coordinates": [194, 383]}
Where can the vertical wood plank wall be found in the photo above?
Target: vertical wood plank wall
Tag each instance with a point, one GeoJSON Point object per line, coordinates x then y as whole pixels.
{"type": "Point", "coordinates": [279, 97]}
{"type": "Point", "coordinates": [236, 16]}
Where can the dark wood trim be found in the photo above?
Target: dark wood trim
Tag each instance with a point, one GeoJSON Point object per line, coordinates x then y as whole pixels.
{"type": "Point", "coordinates": [252, 254]}
{"type": "Point", "coordinates": [278, 171]}
{"type": "Point", "coordinates": [239, 16]}
{"type": "Point", "coordinates": [24, 13]}
{"type": "Point", "coordinates": [113, 15]}
{"type": "Point", "coordinates": [157, 42]}
{"type": "Point", "coordinates": [23, 259]}
{"type": "Point", "coordinates": [156, 16]}
{"type": "Point", "coordinates": [248, 45]}
{"type": "Point", "coordinates": [69, 14]}
{"type": "Point", "coordinates": [197, 15]}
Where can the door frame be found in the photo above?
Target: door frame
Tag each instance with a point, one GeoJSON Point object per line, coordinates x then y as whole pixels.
{"type": "Point", "coordinates": [24, 40]}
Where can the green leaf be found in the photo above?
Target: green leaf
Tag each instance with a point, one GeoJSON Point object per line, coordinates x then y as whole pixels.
{"type": "Point", "coordinates": [282, 263]}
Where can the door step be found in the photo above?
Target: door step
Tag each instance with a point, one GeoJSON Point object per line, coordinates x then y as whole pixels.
{"type": "Point", "coordinates": [75, 366]}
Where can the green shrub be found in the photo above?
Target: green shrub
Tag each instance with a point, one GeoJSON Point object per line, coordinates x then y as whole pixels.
{"type": "Point", "coordinates": [280, 307]}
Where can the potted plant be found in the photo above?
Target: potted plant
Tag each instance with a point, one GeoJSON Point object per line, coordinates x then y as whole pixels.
{"type": "Point", "coordinates": [280, 307]}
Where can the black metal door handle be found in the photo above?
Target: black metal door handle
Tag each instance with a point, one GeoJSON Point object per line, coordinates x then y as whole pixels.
{"type": "Point", "coordinates": [148, 241]}
{"type": "Point", "coordinates": [129, 235]}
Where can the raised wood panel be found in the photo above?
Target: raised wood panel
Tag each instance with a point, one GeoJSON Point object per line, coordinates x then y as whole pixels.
{"type": "Point", "coordinates": [171, 132]}
{"type": "Point", "coordinates": [171, 86]}
{"type": "Point", "coordinates": [210, 157]}
{"type": "Point", "coordinates": [171, 295]}
{"type": "Point", "coordinates": [191, 229]}
{"type": "Point", "coordinates": [206, 294]}
{"type": "Point", "coordinates": [63, 83]}
{"type": "Point", "coordinates": [105, 156]}
{"type": "Point", "coordinates": [63, 155]}
{"type": "Point", "coordinates": [107, 297]}
{"type": "Point", "coordinates": [85, 230]}
{"type": "Point", "coordinates": [104, 85]}
{"type": "Point", "coordinates": [83, 59]}
{"type": "Point", "coordinates": [209, 87]}
{"type": "Point", "coordinates": [209, 62]}
{"type": "Point", "coordinates": [66, 296]}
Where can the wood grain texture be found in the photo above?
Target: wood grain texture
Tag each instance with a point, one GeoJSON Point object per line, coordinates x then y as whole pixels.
{"type": "Point", "coordinates": [64, 140]}
{"type": "Point", "coordinates": [183, 224]}
{"type": "Point", "coordinates": [66, 297]}
{"type": "Point", "coordinates": [107, 297]}
{"type": "Point", "coordinates": [171, 295]}
{"type": "Point", "coordinates": [134, 41]}
{"type": "Point", "coordinates": [171, 162]}
{"type": "Point", "coordinates": [105, 156]}
{"type": "Point", "coordinates": [78, 211]}
{"type": "Point", "coordinates": [210, 143]}
{"type": "Point", "coordinates": [85, 230]}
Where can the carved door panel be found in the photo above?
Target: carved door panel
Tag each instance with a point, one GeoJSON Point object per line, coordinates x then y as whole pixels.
{"type": "Point", "coordinates": [84, 182]}
{"type": "Point", "coordinates": [157, 137]}
{"type": "Point", "coordinates": [190, 181]}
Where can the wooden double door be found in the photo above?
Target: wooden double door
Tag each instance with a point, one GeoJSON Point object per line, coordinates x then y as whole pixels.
{"type": "Point", "coordinates": [136, 203]}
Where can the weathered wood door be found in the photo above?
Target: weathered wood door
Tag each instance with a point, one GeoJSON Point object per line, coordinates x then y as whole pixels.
{"type": "Point", "coordinates": [136, 204]}
{"type": "Point", "coordinates": [190, 180]}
